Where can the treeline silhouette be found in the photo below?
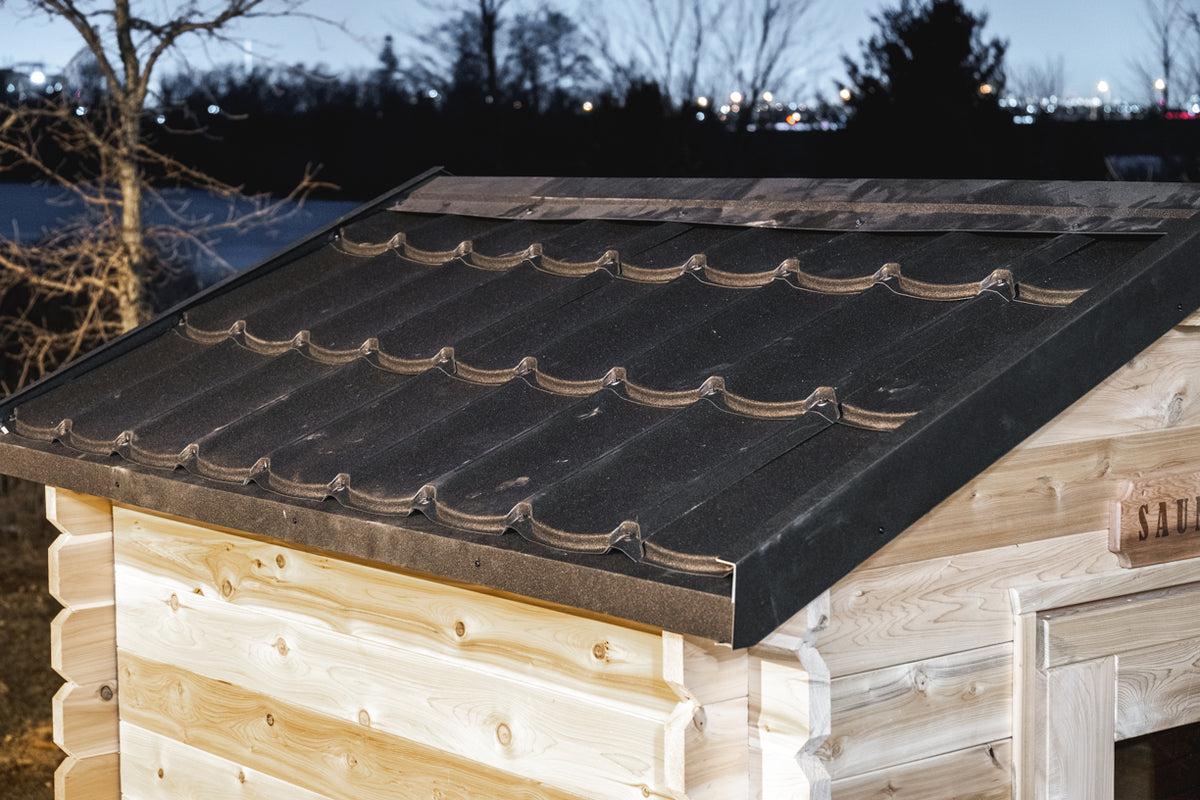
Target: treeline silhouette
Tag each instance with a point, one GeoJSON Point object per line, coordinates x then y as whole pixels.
{"type": "Point", "coordinates": [369, 138]}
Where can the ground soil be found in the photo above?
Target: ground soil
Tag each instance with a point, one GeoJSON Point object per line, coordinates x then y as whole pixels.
{"type": "Point", "coordinates": [28, 755]}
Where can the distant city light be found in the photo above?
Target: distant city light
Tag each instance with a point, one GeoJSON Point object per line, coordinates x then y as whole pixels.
{"type": "Point", "coordinates": [699, 116]}
{"type": "Point", "coordinates": [37, 77]}
{"type": "Point", "coordinates": [768, 97]}
{"type": "Point", "coordinates": [702, 101]}
{"type": "Point", "coordinates": [1160, 84]}
{"type": "Point", "coordinates": [725, 109]}
{"type": "Point", "coordinates": [80, 111]}
{"type": "Point", "coordinates": [213, 108]}
{"type": "Point", "coordinates": [12, 88]}
{"type": "Point", "coordinates": [432, 94]}
{"type": "Point", "coordinates": [793, 118]}
{"type": "Point", "coordinates": [518, 105]}
{"type": "Point", "coordinates": [1025, 120]}
{"type": "Point", "coordinates": [57, 86]}
{"type": "Point", "coordinates": [1102, 87]}
{"type": "Point", "coordinates": [985, 89]}
{"type": "Point", "coordinates": [845, 95]}
{"type": "Point", "coordinates": [735, 97]}
{"type": "Point", "coordinates": [587, 105]}
{"type": "Point", "coordinates": [161, 119]}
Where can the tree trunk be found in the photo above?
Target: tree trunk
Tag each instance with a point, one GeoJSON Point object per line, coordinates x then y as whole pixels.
{"type": "Point", "coordinates": [130, 266]}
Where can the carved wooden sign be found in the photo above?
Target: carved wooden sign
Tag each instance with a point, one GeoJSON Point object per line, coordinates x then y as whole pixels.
{"type": "Point", "coordinates": [1157, 520]}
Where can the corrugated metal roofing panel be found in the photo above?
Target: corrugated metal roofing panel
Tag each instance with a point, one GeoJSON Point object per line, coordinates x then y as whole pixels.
{"type": "Point", "coordinates": [650, 403]}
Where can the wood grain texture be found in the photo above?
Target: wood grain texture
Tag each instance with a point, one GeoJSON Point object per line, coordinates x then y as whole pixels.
{"type": "Point", "coordinates": [339, 759]}
{"type": "Point", "coordinates": [1037, 493]}
{"type": "Point", "coordinates": [1083, 633]}
{"type": "Point", "coordinates": [92, 778]}
{"type": "Point", "coordinates": [1051, 594]}
{"type": "Point", "coordinates": [899, 614]}
{"type": "Point", "coordinates": [158, 768]}
{"type": "Point", "coordinates": [1078, 730]}
{"type": "Point", "coordinates": [78, 514]}
{"type": "Point", "coordinates": [781, 693]}
{"type": "Point", "coordinates": [393, 608]}
{"type": "Point", "coordinates": [707, 735]}
{"type": "Point", "coordinates": [914, 711]}
{"type": "Point", "coordinates": [469, 707]}
{"type": "Point", "coordinates": [1025, 734]}
{"type": "Point", "coordinates": [83, 644]}
{"type": "Point", "coordinates": [85, 719]}
{"type": "Point", "coordinates": [975, 773]}
{"type": "Point", "coordinates": [1158, 688]}
{"type": "Point", "coordinates": [81, 568]}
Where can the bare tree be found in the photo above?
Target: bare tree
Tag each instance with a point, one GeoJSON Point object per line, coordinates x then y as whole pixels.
{"type": "Point", "coordinates": [547, 59]}
{"type": "Point", "coordinates": [128, 45]}
{"type": "Point", "coordinates": [667, 42]}
{"type": "Point", "coordinates": [88, 280]}
{"type": "Point", "coordinates": [762, 45]}
{"type": "Point", "coordinates": [1162, 20]}
{"type": "Point", "coordinates": [1037, 81]}
{"type": "Point", "coordinates": [459, 55]}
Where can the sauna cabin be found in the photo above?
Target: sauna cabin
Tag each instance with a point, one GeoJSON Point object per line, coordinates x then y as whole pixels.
{"type": "Point", "coordinates": [625, 489]}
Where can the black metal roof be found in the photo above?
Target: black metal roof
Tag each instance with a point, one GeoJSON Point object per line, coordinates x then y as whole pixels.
{"type": "Point", "coordinates": [691, 403]}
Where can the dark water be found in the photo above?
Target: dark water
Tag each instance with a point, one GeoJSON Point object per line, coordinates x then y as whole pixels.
{"type": "Point", "coordinates": [27, 211]}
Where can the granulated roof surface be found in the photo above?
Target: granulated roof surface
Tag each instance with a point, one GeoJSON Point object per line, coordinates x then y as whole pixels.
{"type": "Point", "coordinates": [633, 386]}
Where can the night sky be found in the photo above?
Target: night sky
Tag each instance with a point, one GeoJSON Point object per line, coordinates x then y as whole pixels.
{"type": "Point", "coordinates": [1097, 39]}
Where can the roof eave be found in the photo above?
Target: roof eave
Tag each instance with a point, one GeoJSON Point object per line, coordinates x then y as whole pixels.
{"type": "Point", "coordinates": [614, 587]}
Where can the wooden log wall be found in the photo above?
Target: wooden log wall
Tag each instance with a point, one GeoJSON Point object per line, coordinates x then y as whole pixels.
{"type": "Point", "coordinates": [83, 647]}
{"type": "Point", "coordinates": [918, 669]}
{"type": "Point", "coordinates": [246, 663]}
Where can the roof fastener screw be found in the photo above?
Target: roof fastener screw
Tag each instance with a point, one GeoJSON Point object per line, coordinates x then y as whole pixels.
{"type": "Point", "coordinates": [460, 629]}
{"type": "Point", "coordinates": [106, 693]}
{"type": "Point", "coordinates": [503, 735]}
{"type": "Point", "coordinates": [364, 718]}
{"type": "Point", "coordinates": [270, 719]}
{"type": "Point", "coordinates": [280, 561]}
{"type": "Point", "coordinates": [600, 651]}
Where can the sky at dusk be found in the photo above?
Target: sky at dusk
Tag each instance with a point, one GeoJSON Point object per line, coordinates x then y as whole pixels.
{"type": "Point", "coordinates": [1097, 39]}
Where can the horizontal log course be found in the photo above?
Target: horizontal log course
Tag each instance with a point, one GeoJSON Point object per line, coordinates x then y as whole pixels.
{"type": "Point", "coordinates": [83, 644]}
{"type": "Point", "coordinates": [883, 616]}
{"type": "Point", "coordinates": [85, 719]}
{"type": "Point", "coordinates": [340, 759]}
{"type": "Point", "coordinates": [910, 712]}
{"type": "Point", "coordinates": [981, 772]}
{"type": "Point", "coordinates": [159, 768]}
{"type": "Point", "coordinates": [87, 778]}
{"type": "Point", "coordinates": [576, 704]}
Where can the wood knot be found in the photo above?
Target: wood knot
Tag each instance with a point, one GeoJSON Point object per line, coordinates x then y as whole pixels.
{"type": "Point", "coordinates": [600, 651]}
{"type": "Point", "coordinates": [226, 589]}
{"type": "Point", "coordinates": [280, 561]}
{"type": "Point", "coordinates": [160, 773]}
{"type": "Point", "coordinates": [270, 720]}
{"type": "Point", "coordinates": [241, 776]}
{"type": "Point", "coordinates": [174, 602]}
{"type": "Point", "coordinates": [460, 629]}
{"type": "Point", "coordinates": [503, 735]}
{"type": "Point", "coordinates": [364, 718]}
{"type": "Point", "coordinates": [281, 646]}
{"type": "Point", "coordinates": [106, 693]}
